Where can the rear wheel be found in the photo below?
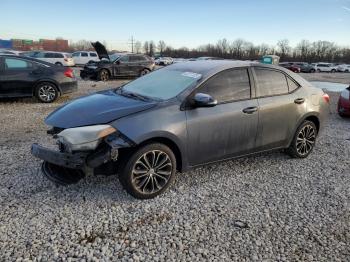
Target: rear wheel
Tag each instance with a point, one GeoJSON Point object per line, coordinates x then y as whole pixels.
{"type": "Point", "coordinates": [304, 140]}
{"type": "Point", "coordinates": [46, 92]}
{"type": "Point", "coordinates": [103, 75]}
{"type": "Point", "coordinates": [333, 71]}
{"type": "Point", "coordinates": [312, 71]}
{"type": "Point", "coordinates": [59, 64]}
{"type": "Point", "coordinates": [149, 171]}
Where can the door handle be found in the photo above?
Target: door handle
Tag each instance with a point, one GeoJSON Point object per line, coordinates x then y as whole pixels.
{"type": "Point", "coordinates": [299, 100]}
{"type": "Point", "coordinates": [250, 110]}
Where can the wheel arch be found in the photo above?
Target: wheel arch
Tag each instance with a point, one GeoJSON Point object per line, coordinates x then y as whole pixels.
{"type": "Point", "coordinates": [171, 144]}
{"type": "Point", "coordinates": [51, 81]}
{"type": "Point", "coordinates": [311, 116]}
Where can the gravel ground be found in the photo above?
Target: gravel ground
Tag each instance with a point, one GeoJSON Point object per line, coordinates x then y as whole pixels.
{"type": "Point", "coordinates": [265, 207]}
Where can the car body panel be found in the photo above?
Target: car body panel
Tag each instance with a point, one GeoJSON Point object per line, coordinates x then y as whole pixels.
{"type": "Point", "coordinates": [100, 50]}
{"type": "Point", "coordinates": [344, 102]}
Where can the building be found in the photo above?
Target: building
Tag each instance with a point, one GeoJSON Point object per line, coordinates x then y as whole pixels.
{"type": "Point", "coordinates": [42, 44]}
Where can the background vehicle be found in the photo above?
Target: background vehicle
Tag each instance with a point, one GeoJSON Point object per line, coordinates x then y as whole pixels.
{"type": "Point", "coordinates": [84, 57]}
{"type": "Point", "coordinates": [325, 67]}
{"type": "Point", "coordinates": [26, 77]}
{"type": "Point", "coordinates": [9, 52]}
{"type": "Point", "coordinates": [209, 58]}
{"type": "Point", "coordinates": [291, 66]}
{"type": "Point", "coordinates": [116, 65]}
{"type": "Point", "coordinates": [182, 116]}
{"type": "Point", "coordinates": [305, 67]}
{"type": "Point", "coordinates": [344, 103]}
{"type": "Point", "coordinates": [57, 58]}
{"type": "Point", "coordinates": [30, 53]}
{"type": "Point", "coordinates": [343, 68]}
{"type": "Point", "coordinates": [163, 61]}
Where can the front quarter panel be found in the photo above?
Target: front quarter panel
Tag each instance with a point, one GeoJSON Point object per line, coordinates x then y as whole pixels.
{"type": "Point", "coordinates": [160, 122]}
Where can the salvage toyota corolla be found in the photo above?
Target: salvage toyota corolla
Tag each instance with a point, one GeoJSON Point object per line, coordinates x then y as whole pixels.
{"type": "Point", "coordinates": [179, 117]}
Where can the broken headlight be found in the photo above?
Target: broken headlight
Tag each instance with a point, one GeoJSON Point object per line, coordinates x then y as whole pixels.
{"type": "Point", "coordinates": [84, 138]}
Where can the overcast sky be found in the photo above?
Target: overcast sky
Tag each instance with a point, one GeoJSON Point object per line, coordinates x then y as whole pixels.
{"type": "Point", "coordinates": [179, 23]}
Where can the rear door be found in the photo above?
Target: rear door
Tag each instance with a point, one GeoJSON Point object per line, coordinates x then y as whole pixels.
{"type": "Point", "coordinates": [136, 64]}
{"type": "Point", "coordinates": [279, 107]}
{"type": "Point", "coordinates": [230, 127]}
{"type": "Point", "coordinates": [17, 77]}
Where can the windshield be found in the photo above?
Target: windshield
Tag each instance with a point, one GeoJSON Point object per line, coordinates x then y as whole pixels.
{"type": "Point", "coordinates": [162, 84]}
{"type": "Point", "coordinates": [114, 57]}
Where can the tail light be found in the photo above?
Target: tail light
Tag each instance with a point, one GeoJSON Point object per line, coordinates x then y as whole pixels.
{"type": "Point", "coordinates": [326, 97]}
{"type": "Point", "coordinates": [69, 72]}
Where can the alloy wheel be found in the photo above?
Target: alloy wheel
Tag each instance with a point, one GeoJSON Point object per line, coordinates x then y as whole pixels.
{"type": "Point", "coordinates": [305, 140]}
{"type": "Point", "coordinates": [104, 75]}
{"type": "Point", "coordinates": [47, 93]}
{"type": "Point", "coordinates": [151, 172]}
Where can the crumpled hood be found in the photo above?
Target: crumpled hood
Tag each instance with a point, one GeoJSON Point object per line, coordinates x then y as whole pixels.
{"type": "Point", "coordinates": [100, 50]}
{"type": "Point", "coordinates": [98, 108]}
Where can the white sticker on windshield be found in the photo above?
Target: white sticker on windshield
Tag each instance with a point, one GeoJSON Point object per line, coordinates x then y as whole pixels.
{"type": "Point", "coordinates": [191, 74]}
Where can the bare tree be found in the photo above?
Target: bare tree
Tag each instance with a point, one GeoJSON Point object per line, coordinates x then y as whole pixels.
{"type": "Point", "coordinates": [161, 47]}
{"type": "Point", "coordinates": [237, 47]}
{"type": "Point", "coordinates": [151, 48]}
{"type": "Point", "coordinates": [138, 46]}
{"type": "Point", "coordinates": [223, 47]}
{"type": "Point", "coordinates": [284, 47]}
{"type": "Point", "coordinates": [146, 47]}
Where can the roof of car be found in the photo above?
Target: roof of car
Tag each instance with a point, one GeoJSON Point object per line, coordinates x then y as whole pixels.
{"type": "Point", "coordinates": [28, 59]}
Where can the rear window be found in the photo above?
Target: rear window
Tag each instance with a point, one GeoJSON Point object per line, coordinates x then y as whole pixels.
{"type": "Point", "coordinates": [93, 55]}
{"type": "Point", "coordinates": [84, 54]}
{"type": "Point", "coordinates": [13, 64]}
{"type": "Point", "coordinates": [270, 82]}
{"type": "Point", "coordinates": [58, 55]}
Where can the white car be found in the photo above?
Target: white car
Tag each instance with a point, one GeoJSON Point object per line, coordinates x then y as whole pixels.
{"type": "Point", "coordinates": [57, 58]}
{"type": "Point", "coordinates": [324, 67]}
{"type": "Point", "coordinates": [343, 68]}
{"type": "Point", "coordinates": [9, 52]}
{"type": "Point", "coordinates": [163, 61]}
{"type": "Point", "coordinates": [84, 57]}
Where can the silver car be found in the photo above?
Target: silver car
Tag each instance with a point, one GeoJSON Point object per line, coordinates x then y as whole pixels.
{"type": "Point", "coordinates": [183, 116]}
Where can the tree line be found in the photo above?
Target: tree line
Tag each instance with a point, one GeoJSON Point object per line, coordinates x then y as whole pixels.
{"type": "Point", "coordinates": [240, 49]}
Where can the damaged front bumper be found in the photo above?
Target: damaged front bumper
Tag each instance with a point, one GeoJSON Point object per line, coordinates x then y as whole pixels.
{"type": "Point", "coordinates": [63, 167]}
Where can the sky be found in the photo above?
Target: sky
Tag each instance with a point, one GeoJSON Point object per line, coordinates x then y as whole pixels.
{"type": "Point", "coordinates": [178, 22]}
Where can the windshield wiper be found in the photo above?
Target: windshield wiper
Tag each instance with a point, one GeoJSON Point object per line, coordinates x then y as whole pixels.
{"type": "Point", "coordinates": [133, 95]}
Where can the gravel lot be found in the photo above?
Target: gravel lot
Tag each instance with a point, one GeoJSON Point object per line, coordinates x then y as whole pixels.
{"type": "Point", "coordinates": [265, 207]}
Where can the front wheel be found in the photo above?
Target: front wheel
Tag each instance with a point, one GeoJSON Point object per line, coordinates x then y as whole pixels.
{"type": "Point", "coordinates": [46, 92]}
{"type": "Point", "coordinates": [304, 140]}
{"type": "Point", "coordinates": [149, 171]}
{"type": "Point", "coordinates": [103, 75]}
{"type": "Point", "coordinates": [144, 72]}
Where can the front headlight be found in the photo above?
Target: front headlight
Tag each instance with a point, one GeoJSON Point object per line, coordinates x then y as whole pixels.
{"type": "Point", "coordinates": [84, 138]}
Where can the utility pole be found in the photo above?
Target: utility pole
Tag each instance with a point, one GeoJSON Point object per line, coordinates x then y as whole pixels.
{"type": "Point", "coordinates": [132, 44]}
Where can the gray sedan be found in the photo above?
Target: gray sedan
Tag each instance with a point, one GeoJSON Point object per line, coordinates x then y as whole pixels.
{"type": "Point", "coordinates": [180, 117]}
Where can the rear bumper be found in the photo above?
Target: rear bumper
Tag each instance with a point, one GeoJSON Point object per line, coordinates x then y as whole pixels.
{"type": "Point", "coordinates": [69, 87]}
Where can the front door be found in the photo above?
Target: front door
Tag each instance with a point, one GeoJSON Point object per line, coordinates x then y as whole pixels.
{"type": "Point", "coordinates": [121, 66]}
{"type": "Point", "coordinates": [229, 128]}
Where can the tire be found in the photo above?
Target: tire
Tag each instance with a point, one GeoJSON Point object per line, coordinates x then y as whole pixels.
{"type": "Point", "coordinates": [144, 72]}
{"type": "Point", "coordinates": [139, 175]}
{"type": "Point", "coordinates": [103, 75]}
{"type": "Point", "coordinates": [312, 71]}
{"type": "Point", "coordinates": [333, 71]}
{"type": "Point", "coordinates": [304, 140]}
{"type": "Point", "coordinates": [347, 71]}
{"type": "Point", "coordinates": [58, 64]}
{"type": "Point", "coordinates": [46, 92]}
{"type": "Point", "coordinates": [318, 71]}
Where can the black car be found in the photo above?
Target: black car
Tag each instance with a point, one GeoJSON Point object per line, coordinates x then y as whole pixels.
{"type": "Point", "coordinates": [182, 116]}
{"type": "Point", "coordinates": [26, 77]}
{"type": "Point", "coordinates": [305, 67]}
{"type": "Point", "coordinates": [116, 65]}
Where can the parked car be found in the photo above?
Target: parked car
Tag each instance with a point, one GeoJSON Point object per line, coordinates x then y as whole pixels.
{"type": "Point", "coordinates": [84, 57]}
{"type": "Point", "coordinates": [179, 60]}
{"type": "Point", "coordinates": [343, 68]}
{"type": "Point", "coordinates": [116, 65]}
{"type": "Point", "coordinates": [163, 61]}
{"type": "Point", "coordinates": [9, 52]}
{"type": "Point", "coordinates": [26, 77]}
{"type": "Point", "coordinates": [344, 103]}
{"type": "Point", "coordinates": [305, 67]}
{"type": "Point", "coordinates": [291, 66]}
{"type": "Point", "coordinates": [209, 58]}
{"type": "Point", "coordinates": [57, 58]}
{"type": "Point", "coordinates": [29, 53]}
{"type": "Point", "coordinates": [325, 67]}
{"type": "Point", "coordinates": [183, 116]}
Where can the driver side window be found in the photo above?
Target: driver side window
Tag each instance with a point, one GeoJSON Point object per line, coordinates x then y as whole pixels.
{"type": "Point", "coordinates": [229, 85]}
{"type": "Point", "coordinates": [124, 59]}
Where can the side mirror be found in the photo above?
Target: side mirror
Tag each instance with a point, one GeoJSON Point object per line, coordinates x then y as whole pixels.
{"type": "Point", "coordinates": [117, 62]}
{"type": "Point", "coordinates": [204, 100]}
